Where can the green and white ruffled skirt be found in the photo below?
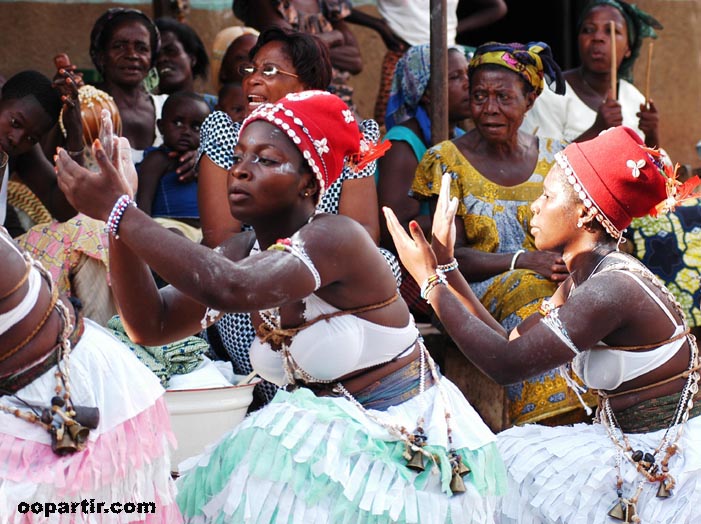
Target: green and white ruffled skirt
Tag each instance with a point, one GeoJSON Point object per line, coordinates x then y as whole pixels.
{"type": "Point", "coordinates": [304, 459]}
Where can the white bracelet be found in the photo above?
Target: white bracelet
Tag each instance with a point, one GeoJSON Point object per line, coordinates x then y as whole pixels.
{"type": "Point", "coordinates": [447, 268]}
{"type": "Point", "coordinates": [515, 258]}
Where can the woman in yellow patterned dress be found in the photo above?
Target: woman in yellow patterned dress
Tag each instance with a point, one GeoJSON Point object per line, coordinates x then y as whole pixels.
{"type": "Point", "coordinates": [496, 173]}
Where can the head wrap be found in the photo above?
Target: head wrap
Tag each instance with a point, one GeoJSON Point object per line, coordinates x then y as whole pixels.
{"type": "Point", "coordinates": [222, 41]}
{"type": "Point", "coordinates": [323, 128]}
{"type": "Point", "coordinates": [640, 25]}
{"type": "Point", "coordinates": [618, 178]}
{"type": "Point", "coordinates": [533, 62]}
{"type": "Point", "coordinates": [411, 78]}
{"type": "Point", "coordinates": [113, 16]}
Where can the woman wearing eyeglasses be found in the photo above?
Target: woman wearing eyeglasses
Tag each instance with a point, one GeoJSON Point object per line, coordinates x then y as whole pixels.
{"type": "Point", "coordinates": [281, 62]}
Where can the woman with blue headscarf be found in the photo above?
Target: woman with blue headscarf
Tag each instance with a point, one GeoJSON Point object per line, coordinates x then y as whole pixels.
{"type": "Point", "coordinates": [409, 129]}
{"type": "Point", "coordinates": [496, 172]}
{"type": "Point", "coordinates": [588, 105]}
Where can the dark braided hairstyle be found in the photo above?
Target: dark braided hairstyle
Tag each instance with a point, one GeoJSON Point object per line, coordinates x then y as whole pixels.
{"type": "Point", "coordinates": [33, 83]}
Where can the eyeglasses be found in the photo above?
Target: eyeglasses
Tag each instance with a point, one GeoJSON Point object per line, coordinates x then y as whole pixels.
{"type": "Point", "coordinates": [267, 70]}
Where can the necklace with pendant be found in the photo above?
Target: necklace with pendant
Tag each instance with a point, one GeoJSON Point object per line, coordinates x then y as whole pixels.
{"type": "Point", "coordinates": [590, 87]}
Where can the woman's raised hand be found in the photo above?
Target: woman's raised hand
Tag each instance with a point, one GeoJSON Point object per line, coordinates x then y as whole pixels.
{"type": "Point", "coordinates": [94, 194]}
{"type": "Point", "coordinates": [415, 252]}
{"type": "Point", "coordinates": [443, 227]}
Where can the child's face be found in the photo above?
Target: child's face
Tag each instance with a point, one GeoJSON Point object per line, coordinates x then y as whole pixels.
{"type": "Point", "coordinates": [180, 124]}
{"type": "Point", "coordinates": [233, 103]}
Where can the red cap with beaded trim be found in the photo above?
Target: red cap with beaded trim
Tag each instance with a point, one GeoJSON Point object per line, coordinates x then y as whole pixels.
{"type": "Point", "coordinates": [617, 175]}
{"type": "Point", "coordinates": [321, 126]}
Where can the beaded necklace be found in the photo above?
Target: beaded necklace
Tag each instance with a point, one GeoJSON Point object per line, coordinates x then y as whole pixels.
{"type": "Point", "coordinates": [625, 509]}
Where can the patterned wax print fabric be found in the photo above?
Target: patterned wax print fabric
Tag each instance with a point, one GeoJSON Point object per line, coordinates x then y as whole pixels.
{"type": "Point", "coordinates": [497, 220]}
{"type": "Point", "coordinates": [234, 332]}
{"type": "Point", "coordinates": [670, 246]}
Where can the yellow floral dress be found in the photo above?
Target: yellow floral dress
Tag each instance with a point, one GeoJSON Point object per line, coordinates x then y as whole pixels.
{"type": "Point", "coordinates": [496, 220]}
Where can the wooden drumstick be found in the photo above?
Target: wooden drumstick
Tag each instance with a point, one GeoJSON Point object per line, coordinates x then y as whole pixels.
{"type": "Point", "coordinates": [614, 62]}
{"type": "Point", "coordinates": [647, 74]}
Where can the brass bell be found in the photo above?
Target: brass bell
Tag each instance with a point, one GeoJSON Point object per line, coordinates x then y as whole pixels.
{"type": "Point", "coordinates": [456, 483]}
{"type": "Point", "coordinates": [78, 433]}
{"type": "Point", "coordinates": [663, 492]}
{"type": "Point", "coordinates": [417, 462]}
{"type": "Point", "coordinates": [463, 469]}
{"type": "Point", "coordinates": [64, 446]}
{"type": "Point", "coordinates": [87, 416]}
{"type": "Point", "coordinates": [623, 511]}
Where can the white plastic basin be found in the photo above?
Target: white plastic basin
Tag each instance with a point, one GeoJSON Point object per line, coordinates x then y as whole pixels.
{"type": "Point", "coordinates": [201, 416]}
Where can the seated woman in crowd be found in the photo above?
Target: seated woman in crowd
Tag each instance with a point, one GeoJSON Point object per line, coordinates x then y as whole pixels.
{"type": "Point", "coordinates": [612, 321]}
{"type": "Point", "coordinates": [496, 172]}
{"type": "Point", "coordinates": [81, 419]}
{"type": "Point", "coordinates": [161, 193]}
{"type": "Point", "coordinates": [588, 106]}
{"type": "Point", "coordinates": [365, 404]}
{"type": "Point", "coordinates": [182, 59]}
{"type": "Point", "coordinates": [409, 131]}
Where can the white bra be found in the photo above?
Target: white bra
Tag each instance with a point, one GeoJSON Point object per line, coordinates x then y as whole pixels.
{"type": "Point", "coordinates": [607, 369]}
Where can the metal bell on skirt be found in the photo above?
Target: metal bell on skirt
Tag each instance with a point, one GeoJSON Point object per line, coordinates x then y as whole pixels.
{"type": "Point", "coordinates": [663, 491]}
{"type": "Point", "coordinates": [63, 446]}
{"type": "Point", "coordinates": [457, 485]}
{"type": "Point", "coordinates": [623, 511]}
{"type": "Point", "coordinates": [417, 462]}
{"type": "Point", "coordinates": [78, 433]}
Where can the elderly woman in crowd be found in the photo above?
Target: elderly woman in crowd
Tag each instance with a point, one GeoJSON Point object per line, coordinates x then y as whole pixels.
{"type": "Point", "coordinates": [496, 172]}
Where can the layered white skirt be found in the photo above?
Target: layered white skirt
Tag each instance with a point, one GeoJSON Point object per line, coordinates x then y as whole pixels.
{"type": "Point", "coordinates": [567, 475]}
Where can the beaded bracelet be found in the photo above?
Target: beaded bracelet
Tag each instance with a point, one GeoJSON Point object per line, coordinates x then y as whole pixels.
{"type": "Point", "coordinates": [447, 268]}
{"type": "Point", "coordinates": [120, 206]}
{"type": "Point", "coordinates": [430, 283]}
{"type": "Point", "coordinates": [75, 154]}
{"type": "Point", "coordinates": [515, 258]}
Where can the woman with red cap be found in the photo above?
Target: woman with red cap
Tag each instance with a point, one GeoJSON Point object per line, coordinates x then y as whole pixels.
{"type": "Point", "coordinates": [366, 428]}
{"type": "Point", "coordinates": [612, 322]}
